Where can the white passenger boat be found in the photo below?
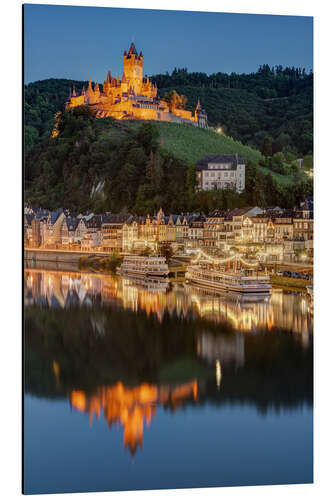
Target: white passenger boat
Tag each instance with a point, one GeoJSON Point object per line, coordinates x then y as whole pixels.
{"type": "Point", "coordinates": [137, 265]}
{"type": "Point", "coordinates": [214, 274]}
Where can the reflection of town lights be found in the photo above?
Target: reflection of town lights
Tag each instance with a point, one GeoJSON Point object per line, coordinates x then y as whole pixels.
{"type": "Point", "coordinates": [218, 373]}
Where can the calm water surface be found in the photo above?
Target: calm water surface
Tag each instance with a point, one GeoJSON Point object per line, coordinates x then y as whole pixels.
{"type": "Point", "coordinates": [132, 388]}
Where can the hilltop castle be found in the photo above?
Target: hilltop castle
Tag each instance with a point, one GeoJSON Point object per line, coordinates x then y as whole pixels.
{"type": "Point", "coordinates": [133, 97]}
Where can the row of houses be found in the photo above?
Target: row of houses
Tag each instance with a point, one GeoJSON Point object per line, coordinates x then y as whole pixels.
{"type": "Point", "coordinates": [282, 232]}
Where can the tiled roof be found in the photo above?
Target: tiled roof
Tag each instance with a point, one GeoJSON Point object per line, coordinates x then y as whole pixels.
{"type": "Point", "coordinates": [55, 214]}
{"type": "Point", "coordinates": [233, 159]}
{"type": "Point", "coordinates": [72, 223]}
{"type": "Point", "coordinates": [115, 218]}
{"type": "Point", "coordinates": [29, 218]}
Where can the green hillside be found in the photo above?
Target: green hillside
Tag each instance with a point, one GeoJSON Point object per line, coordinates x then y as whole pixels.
{"type": "Point", "coordinates": [192, 143]}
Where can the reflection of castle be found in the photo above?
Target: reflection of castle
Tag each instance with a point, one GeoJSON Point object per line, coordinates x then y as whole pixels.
{"type": "Point", "coordinates": [132, 97]}
{"type": "Point", "coordinates": [132, 407]}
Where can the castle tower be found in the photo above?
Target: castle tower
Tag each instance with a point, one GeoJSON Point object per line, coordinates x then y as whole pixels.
{"type": "Point", "coordinates": [201, 116]}
{"type": "Point", "coordinates": [90, 94]}
{"type": "Point", "coordinates": [133, 64]}
{"type": "Point", "coordinates": [97, 92]}
{"type": "Point", "coordinates": [124, 86]}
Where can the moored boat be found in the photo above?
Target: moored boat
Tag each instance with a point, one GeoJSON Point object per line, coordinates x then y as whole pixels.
{"type": "Point", "coordinates": [138, 265]}
{"type": "Point", "coordinates": [212, 273]}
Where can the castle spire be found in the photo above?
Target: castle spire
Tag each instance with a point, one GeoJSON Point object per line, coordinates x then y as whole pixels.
{"type": "Point", "coordinates": [89, 86]}
{"type": "Point", "coordinates": [123, 78]}
{"type": "Point", "coordinates": [108, 78]}
{"type": "Point", "coordinates": [132, 50]}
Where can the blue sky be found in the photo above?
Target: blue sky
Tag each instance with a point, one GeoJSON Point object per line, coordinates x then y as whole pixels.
{"type": "Point", "coordinates": [79, 42]}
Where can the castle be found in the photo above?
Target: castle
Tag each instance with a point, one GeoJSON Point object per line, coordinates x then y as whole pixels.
{"type": "Point", "coordinates": [133, 97]}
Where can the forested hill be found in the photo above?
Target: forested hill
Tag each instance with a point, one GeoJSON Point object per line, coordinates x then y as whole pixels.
{"type": "Point", "coordinates": [274, 103]}
{"type": "Point", "coordinates": [138, 167]}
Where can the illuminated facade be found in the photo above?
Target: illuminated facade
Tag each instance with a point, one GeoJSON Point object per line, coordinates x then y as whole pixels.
{"type": "Point", "coordinates": [132, 97]}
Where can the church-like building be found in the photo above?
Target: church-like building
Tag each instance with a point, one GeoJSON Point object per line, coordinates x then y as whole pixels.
{"type": "Point", "coordinates": [133, 97]}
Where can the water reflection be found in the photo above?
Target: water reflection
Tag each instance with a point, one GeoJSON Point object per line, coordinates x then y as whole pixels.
{"type": "Point", "coordinates": [116, 351]}
{"type": "Point", "coordinates": [132, 407]}
{"type": "Point", "coordinates": [65, 289]}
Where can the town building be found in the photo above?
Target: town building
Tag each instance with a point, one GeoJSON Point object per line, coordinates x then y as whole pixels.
{"type": "Point", "coordinates": [35, 233]}
{"type": "Point", "coordinates": [271, 233]}
{"type": "Point", "coordinates": [221, 172]}
{"type": "Point", "coordinates": [111, 231]}
{"type": "Point", "coordinates": [132, 97]}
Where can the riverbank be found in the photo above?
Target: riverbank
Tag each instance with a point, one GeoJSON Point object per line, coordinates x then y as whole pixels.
{"type": "Point", "coordinates": [97, 263]}
{"type": "Point", "coordinates": [291, 284]}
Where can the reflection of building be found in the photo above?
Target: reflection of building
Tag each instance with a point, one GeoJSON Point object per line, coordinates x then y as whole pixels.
{"type": "Point", "coordinates": [228, 349]}
{"type": "Point", "coordinates": [132, 407]}
{"type": "Point", "coordinates": [57, 288]}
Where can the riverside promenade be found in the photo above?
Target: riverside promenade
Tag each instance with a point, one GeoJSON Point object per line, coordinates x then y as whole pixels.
{"type": "Point", "coordinates": [59, 255]}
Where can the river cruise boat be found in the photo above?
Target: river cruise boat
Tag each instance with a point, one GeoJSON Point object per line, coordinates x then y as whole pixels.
{"type": "Point", "coordinates": [210, 275]}
{"type": "Point", "coordinates": [137, 265]}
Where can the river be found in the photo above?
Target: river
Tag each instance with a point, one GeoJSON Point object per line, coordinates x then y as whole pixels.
{"type": "Point", "coordinates": [132, 388]}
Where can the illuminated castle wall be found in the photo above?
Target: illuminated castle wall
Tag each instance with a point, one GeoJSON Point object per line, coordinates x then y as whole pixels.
{"type": "Point", "coordinates": [132, 97]}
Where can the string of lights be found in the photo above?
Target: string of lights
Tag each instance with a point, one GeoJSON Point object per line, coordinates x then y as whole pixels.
{"type": "Point", "coordinates": [220, 260]}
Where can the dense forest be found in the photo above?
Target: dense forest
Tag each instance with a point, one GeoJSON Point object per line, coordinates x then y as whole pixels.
{"type": "Point", "coordinates": [107, 165]}
{"type": "Point", "coordinates": [273, 103]}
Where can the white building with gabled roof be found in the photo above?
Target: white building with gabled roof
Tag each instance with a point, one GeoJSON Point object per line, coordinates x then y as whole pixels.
{"type": "Point", "coordinates": [221, 172]}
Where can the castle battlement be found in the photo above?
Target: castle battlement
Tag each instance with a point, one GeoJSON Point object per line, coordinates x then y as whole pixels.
{"type": "Point", "coordinates": [132, 97]}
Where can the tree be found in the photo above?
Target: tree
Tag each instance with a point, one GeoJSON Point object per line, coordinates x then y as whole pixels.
{"type": "Point", "coordinates": [146, 251]}
{"type": "Point", "coordinates": [165, 249]}
{"type": "Point", "coordinates": [30, 136]}
{"type": "Point", "coordinates": [267, 147]}
{"type": "Point", "coordinates": [175, 100]}
{"type": "Point", "coordinates": [191, 183]}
